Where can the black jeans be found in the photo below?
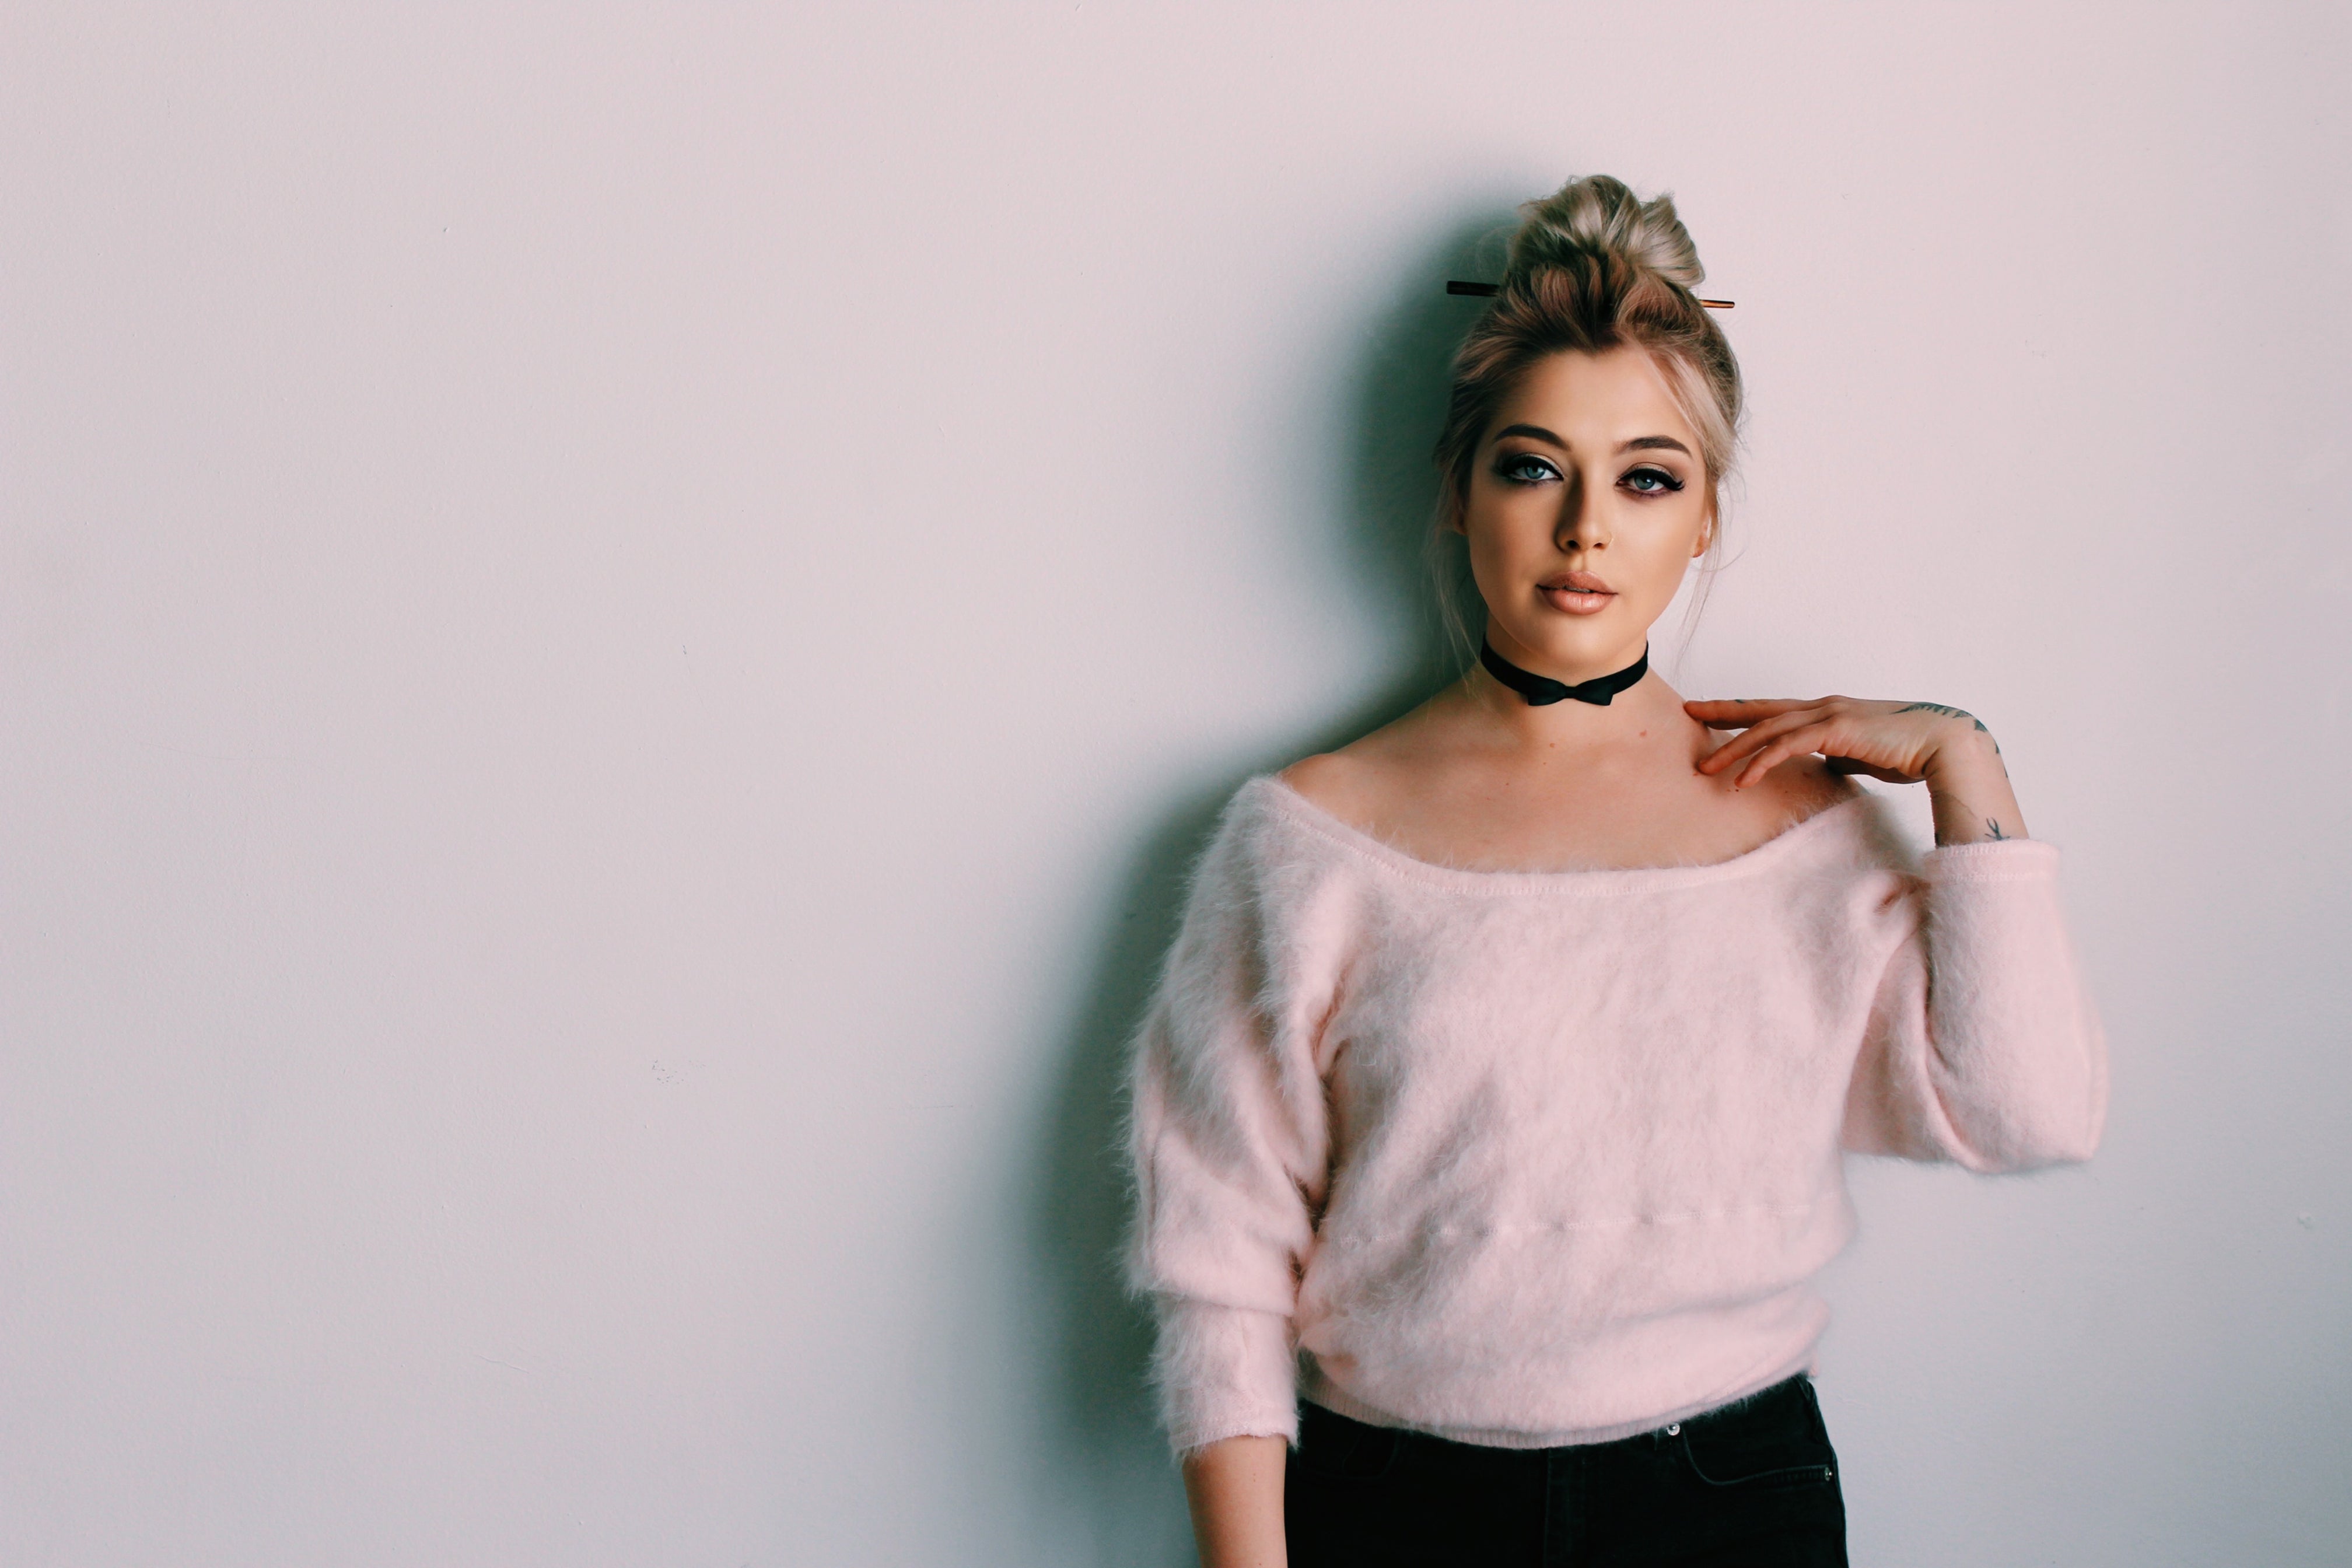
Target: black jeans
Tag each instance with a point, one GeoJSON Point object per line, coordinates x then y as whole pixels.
{"type": "Point", "coordinates": [1752, 1485]}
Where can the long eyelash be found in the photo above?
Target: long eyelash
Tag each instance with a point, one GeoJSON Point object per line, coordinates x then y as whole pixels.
{"type": "Point", "coordinates": [1505, 468]}
{"type": "Point", "coordinates": [1669, 483]}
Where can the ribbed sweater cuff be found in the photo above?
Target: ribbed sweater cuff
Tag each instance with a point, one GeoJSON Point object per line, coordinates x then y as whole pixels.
{"type": "Point", "coordinates": [1224, 1371]}
{"type": "Point", "coordinates": [1995, 860]}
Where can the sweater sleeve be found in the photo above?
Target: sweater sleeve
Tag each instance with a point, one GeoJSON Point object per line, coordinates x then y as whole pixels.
{"type": "Point", "coordinates": [1983, 1045]}
{"type": "Point", "coordinates": [1228, 1142]}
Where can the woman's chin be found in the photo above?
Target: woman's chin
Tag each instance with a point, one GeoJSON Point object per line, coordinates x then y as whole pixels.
{"type": "Point", "coordinates": [1593, 644]}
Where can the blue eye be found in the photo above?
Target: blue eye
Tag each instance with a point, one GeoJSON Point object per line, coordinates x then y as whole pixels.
{"type": "Point", "coordinates": [1524, 468]}
{"type": "Point", "coordinates": [1651, 482]}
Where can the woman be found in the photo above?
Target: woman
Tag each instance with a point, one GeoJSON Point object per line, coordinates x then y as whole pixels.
{"type": "Point", "coordinates": [1488, 1124]}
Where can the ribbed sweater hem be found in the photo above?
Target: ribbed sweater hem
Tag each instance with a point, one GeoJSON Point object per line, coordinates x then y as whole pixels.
{"type": "Point", "coordinates": [1322, 1391]}
{"type": "Point", "coordinates": [1284, 1426]}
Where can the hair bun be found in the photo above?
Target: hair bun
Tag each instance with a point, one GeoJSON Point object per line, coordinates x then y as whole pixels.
{"type": "Point", "coordinates": [1598, 218]}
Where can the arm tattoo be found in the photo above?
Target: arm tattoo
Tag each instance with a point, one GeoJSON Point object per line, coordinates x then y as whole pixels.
{"type": "Point", "coordinates": [1956, 713]}
{"type": "Point", "coordinates": [1946, 712]}
{"type": "Point", "coordinates": [1993, 827]}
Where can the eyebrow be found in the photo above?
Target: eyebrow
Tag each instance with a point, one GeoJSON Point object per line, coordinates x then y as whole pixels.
{"type": "Point", "coordinates": [1638, 444]}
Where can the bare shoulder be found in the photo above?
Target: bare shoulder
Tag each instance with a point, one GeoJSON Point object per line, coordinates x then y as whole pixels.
{"type": "Point", "coordinates": [1360, 783]}
{"type": "Point", "coordinates": [1326, 778]}
{"type": "Point", "coordinates": [1722, 821]}
{"type": "Point", "coordinates": [1803, 787]}
{"type": "Point", "coordinates": [1347, 783]}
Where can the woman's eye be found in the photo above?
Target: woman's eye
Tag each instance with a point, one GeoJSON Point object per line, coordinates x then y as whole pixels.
{"type": "Point", "coordinates": [1651, 481]}
{"type": "Point", "coordinates": [1526, 469]}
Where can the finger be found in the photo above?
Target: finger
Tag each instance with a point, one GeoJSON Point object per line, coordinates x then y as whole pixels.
{"type": "Point", "coordinates": [1738, 713]}
{"type": "Point", "coordinates": [1749, 741]}
{"type": "Point", "coordinates": [1794, 743]}
{"type": "Point", "coordinates": [1756, 736]}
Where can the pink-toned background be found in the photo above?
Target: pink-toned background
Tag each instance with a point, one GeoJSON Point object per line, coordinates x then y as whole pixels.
{"type": "Point", "coordinates": [615, 626]}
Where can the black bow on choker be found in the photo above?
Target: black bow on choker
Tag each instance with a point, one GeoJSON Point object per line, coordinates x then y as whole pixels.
{"type": "Point", "coordinates": [1541, 691]}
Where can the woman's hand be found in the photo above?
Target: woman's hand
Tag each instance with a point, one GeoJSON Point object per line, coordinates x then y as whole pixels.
{"type": "Point", "coordinates": [1903, 743]}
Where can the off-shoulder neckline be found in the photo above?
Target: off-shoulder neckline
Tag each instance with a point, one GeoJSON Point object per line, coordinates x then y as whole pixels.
{"type": "Point", "coordinates": [1284, 798]}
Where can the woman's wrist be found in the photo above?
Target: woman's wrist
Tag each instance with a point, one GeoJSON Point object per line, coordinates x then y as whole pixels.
{"type": "Point", "coordinates": [1235, 1487]}
{"type": "Point", "coordinates": [1969, 788]}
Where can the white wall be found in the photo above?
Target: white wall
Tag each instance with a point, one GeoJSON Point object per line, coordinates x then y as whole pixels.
{"type": "Point", "coordinates": [617, 627]}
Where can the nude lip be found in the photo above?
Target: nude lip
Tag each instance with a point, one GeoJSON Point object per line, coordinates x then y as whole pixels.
{"type": "Point", "coordinates": [1578, 593]}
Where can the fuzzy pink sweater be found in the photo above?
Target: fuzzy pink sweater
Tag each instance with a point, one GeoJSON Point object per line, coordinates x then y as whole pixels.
{"type": "Point", "coordinates": [1545, 1158]}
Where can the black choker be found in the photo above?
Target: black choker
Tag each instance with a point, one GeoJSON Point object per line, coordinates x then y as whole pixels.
{"type": "Point", "coordinates": [1542, 689]}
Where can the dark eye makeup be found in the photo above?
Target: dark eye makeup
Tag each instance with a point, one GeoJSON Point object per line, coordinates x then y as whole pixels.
{"type": "Point", "coordinates": [1524, 468]}
{"type": "Point", "coordinates": [1530, 468]}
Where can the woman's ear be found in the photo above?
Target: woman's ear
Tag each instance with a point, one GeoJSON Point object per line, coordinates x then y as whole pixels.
{"type": "Point", "coordinates": [1705, 530]}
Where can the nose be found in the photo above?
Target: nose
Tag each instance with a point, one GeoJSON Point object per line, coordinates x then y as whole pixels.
{"type": "Point", "coordinates": [1580, 526]}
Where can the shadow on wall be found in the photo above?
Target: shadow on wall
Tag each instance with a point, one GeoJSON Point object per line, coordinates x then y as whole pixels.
{"type": "Point", "coordinates": [1114, 1457]}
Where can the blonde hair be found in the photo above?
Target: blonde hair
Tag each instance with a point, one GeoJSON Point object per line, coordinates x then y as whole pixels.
{"type": "Point", "coordinates": [1592, 268]}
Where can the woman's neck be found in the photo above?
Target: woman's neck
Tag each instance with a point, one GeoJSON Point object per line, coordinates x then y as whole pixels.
{"type": "Point", "coordinates": [1643, 711]}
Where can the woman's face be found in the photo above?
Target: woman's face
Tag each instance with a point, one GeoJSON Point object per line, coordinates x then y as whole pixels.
{"type": "Point", "coordinates": [1586, 503]}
